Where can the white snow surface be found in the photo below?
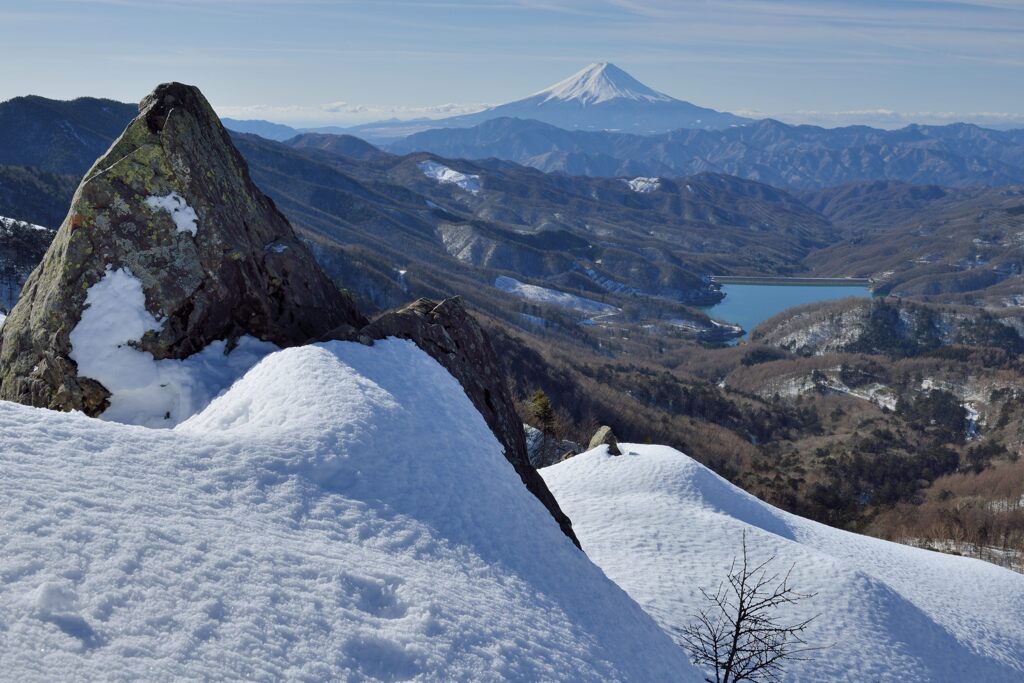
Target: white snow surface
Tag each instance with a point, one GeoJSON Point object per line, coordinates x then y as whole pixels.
{"type": "Point", "coordinates": [341, 513]}
{"type": "Point", "coordinates": [3, 317]}
{"type": "Point", "coordinates": [643, 185]}
{"type": "Point", "coordinates": [146, 391]}
{"type": "Point", "coordinates": [449, 176]}
{"type": "Point", "coordinates": [601, 82]}
{"type": "Point", "coordinates": [551, 296]}
{"type": "Point", "coordinates": [8, 223]}
{"type": "Point", "coordinates": [661, 525]}
{"type": "Point", "coordinates": [183, 215]}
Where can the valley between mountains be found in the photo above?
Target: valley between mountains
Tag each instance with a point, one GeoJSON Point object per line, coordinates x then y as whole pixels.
{"type": "Point", "coordinates": [321, 369]}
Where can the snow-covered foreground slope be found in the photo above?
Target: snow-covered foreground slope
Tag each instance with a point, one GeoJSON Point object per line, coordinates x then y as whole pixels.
{"type": "Point", "coordinates": [341, 513]}
{"type": "Point", "coordinates": [662, 526]}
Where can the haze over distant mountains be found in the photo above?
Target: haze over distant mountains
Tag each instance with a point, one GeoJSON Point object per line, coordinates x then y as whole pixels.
{"type": "Point", "coordinates": [600, 96]}
{"type": "Point", "coordinates": [603, 122]}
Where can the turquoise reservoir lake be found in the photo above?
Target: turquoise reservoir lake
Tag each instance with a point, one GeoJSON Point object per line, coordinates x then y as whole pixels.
{"type": "Point", "coordinates": [748, 305]}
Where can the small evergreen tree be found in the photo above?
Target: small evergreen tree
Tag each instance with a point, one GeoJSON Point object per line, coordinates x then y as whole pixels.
{"type": "Point", "coordinates": [542, 412]}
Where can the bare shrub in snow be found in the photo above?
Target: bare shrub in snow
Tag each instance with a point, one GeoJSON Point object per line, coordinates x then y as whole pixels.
{"type": "Point", "coordinates": [738, 635]}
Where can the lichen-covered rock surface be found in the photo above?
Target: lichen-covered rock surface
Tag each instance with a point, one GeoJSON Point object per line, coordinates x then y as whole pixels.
{"type": "Point", "coordinates": [173, 203]}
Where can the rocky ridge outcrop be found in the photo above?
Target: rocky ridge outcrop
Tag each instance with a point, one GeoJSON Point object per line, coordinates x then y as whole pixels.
{"type": "Point", "coordinates": [889, 326]}
{"type": "Point", "coordinates": [455, 339]}
{"type": "Point", "coordinates": [172, 202]}
{"type": "Point", "coordinates": [171, 206]}
{"type": "Point", "coordinates": [546, 450]}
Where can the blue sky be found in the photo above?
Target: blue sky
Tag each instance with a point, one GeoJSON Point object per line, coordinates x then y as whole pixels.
{"type": "Point", "coordinates": [337, 61]}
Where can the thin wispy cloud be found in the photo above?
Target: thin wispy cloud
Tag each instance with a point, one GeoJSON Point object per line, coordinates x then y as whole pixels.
{"type": "Point", "coordinates": [342, 113]}
{"type": "Point", "coordinates": [402, 57]}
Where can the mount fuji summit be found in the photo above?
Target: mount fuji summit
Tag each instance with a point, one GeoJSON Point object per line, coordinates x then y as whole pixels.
{"type": "Point", "coordinates": [600, 97]}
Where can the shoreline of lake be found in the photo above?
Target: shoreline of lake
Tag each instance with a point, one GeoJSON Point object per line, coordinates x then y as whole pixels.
{"type": "Point", "coordinates": [792, 281]}
{"type": "Point", "coordinates": [751, 301]}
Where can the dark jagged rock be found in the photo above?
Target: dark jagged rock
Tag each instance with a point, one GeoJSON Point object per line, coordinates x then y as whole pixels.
{"type": "Point", "coordinates": [238, 269]}
{"type": "Point", "coordinates": [545, 450]}
{"type": "Point", "coordinates": [455, 339]}
{"type": "Point", "coordinates": [605, 437]}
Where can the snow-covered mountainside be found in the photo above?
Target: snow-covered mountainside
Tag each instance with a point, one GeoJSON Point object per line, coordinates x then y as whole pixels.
{"type": "Point", "coordinates": [545, 295]}
{"type": "Point", "coordinates": [601, 96]}
{"type": "Point", "coordinates": [22, 244]}
{"type": "Point", "coordinates": [643, 185]}
{"type": "Point", "coordinates": [11, 223]}
{"type": "Point", "coordinates": [449, 176]}
{"type": "Point", "coordinates": [663, 526]}
{"type": "Point", "coordinates": [600, 82]}
{"type": "Point", "coordinates": [342, 512]}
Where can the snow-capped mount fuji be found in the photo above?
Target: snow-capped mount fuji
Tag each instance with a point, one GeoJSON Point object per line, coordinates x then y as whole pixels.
{"type": "Point", "coordinates": [604, 97]}
{"type": "Point", "coordinates": [599, 97]}
{"type": "Point", "coordinates": [597, 83]}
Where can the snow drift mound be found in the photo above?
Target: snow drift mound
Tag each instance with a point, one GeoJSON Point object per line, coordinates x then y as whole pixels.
{"type": "Point", "coordinates": [662, 526]}
{"type": "Point", "coordinates": [318, 521]}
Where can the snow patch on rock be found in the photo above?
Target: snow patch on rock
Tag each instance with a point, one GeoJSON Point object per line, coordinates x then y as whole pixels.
{"type": "Point", "coordinates": [449, 176]}
{"type": "Point", "coordinates": [183, 215]}
{"type": "Point", "coordinates": [146, 391]}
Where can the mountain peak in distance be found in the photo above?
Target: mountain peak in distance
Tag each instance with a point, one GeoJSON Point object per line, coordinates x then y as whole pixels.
{"type": "Point", "coordinates": [599, 97]}
{"type": "Point", "coordinates": [601, 82]}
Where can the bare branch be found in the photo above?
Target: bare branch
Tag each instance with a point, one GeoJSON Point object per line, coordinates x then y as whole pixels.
{"type": "Point", "coordinates": [737, 636]}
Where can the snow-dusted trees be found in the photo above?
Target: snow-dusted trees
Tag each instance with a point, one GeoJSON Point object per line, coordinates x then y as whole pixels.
{"type": "Point", "coordinates": [738, 635]}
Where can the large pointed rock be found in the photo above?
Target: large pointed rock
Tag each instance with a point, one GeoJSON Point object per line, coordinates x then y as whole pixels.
{"type": "Point", "coordinates": [172, 204]}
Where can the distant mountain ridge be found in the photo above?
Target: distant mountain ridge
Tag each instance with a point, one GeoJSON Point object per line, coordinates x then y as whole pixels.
{"type": "Point", "coordinates": [64, 135]}
{"type": "Point", "coordinates": [596, 237]}
{"type": "Point", "coordinates": [768, 151]}
{"type": "Point", "coordinates": [600, 96]}
{"type": "Point", "coordinates": [265, 129]}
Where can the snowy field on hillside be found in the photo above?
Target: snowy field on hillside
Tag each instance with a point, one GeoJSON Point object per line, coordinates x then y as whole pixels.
{"type": "Point", "coordinates": [342, 512]}
{"type": "Point", "coordinates": [643, 185]}
{"type": "Point", "coordinates": [544, 295]}
{"type": "Point", "coordinates": [449, 176]}
{"type": "Point", "coordinates": [661, 525]}
{"type": "Point", "coordinates": [9, 223]}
